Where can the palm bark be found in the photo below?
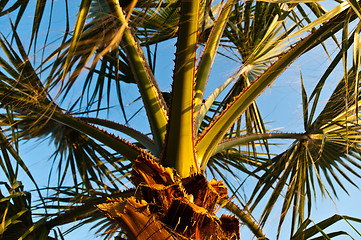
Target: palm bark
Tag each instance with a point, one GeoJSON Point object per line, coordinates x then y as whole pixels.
{"type": "Point", "coordinates": [170, 207]}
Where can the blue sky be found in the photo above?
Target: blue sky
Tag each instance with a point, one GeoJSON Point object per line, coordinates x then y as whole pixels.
{"type": "Point", "coordinates": [280, 105]}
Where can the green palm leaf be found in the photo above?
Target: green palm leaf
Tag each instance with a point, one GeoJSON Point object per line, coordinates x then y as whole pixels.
{"type": "Point", "coordinates": [328, 152]}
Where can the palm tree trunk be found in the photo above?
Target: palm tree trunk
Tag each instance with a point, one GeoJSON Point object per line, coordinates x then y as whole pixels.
{"type": "Point", "coordinates": [170, 207]}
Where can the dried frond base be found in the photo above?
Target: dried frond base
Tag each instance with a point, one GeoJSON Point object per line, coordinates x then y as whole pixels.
{"type": "Point", "coordinates": [147, 170]}
{"type": "Point", "coordinates": [192, 221]}
{"type": "Point", "coordinates": [136, 219]}
{"type": "Point", "coordinates": [170, 207]}
{"type": "Point", "coordinates": [204, 193]}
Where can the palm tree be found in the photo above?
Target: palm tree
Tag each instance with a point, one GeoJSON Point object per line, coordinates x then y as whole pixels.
{"type": "Point", "coordinates": [158, 184]}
